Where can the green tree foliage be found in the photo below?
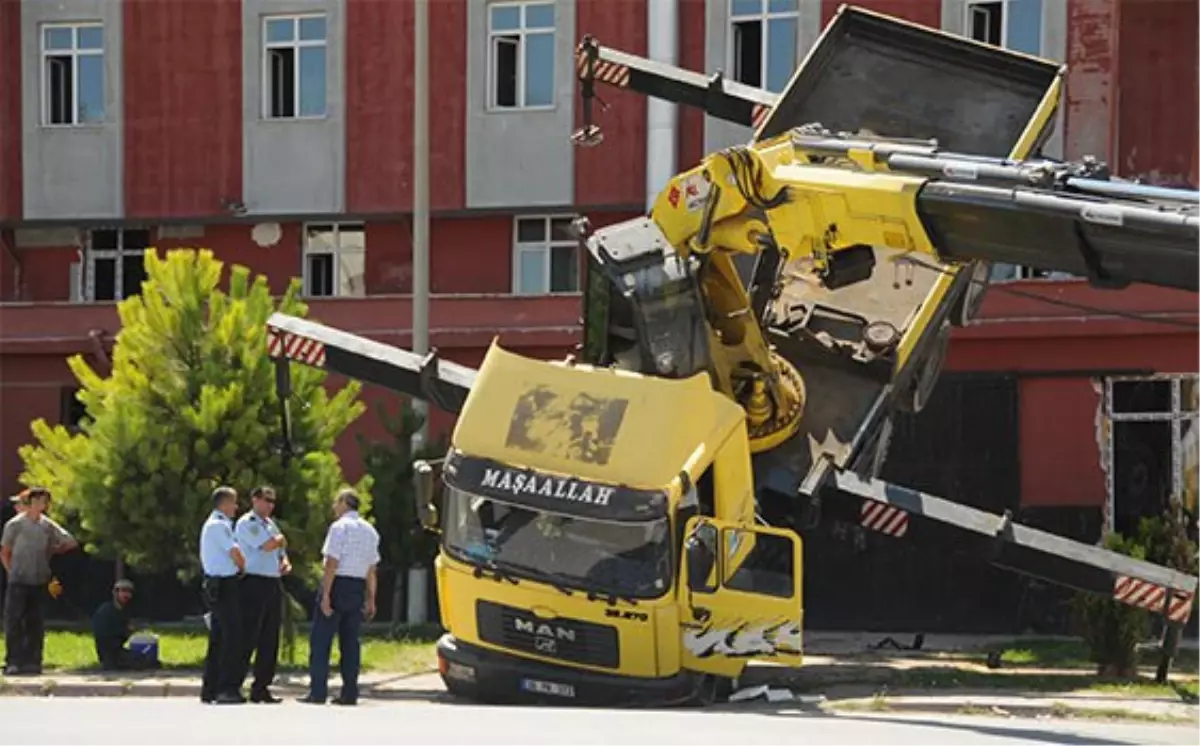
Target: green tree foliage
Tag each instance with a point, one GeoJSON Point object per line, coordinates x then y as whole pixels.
{"type": "Point", "coordinates": [190, 404]}
{"type": "Point", "coordinates": [1112, 629]}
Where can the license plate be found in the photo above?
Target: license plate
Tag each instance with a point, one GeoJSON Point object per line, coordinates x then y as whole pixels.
{"type": "Point", "coordinates": [548, 687]}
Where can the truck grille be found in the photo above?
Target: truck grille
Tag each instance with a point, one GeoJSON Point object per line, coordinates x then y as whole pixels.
{"type": "Point", "coordinates": [565, 639]}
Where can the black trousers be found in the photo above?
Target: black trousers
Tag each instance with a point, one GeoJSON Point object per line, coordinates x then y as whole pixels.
{"type": "Point", "coordinates": [24, 628]}
{"type": "Point", "coordinates": [262, 615]}
{"type": "Point", "coordinates": [223, 664]}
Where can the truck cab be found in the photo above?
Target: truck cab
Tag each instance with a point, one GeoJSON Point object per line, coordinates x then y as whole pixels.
{"type": "Point", "coordinates": [601, 547]}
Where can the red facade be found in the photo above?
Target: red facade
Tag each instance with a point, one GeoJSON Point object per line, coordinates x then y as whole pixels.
{"type": "Point", "coordinates": [10, 113]}
{"type": "Point", "coordinates": [1131, 98]}
{"type": "Point", "coordinates": [182, 107]}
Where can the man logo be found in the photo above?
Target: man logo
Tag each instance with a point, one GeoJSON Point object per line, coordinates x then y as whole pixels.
{"type": "Point", "coordinates": [551, 632]}
{"type": "Point", "coordinates": [583, 428]}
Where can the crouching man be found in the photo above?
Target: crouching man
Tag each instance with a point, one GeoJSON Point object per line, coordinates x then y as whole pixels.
{"type": "Point", "coordinates": [111, 627]}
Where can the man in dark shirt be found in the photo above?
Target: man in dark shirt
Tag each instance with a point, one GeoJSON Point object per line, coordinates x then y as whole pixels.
{"type": "Point", "coordinates": [112, 627]}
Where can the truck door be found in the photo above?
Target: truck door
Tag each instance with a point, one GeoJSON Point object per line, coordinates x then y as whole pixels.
{"type": "Point", "coordinates": [741, 592]}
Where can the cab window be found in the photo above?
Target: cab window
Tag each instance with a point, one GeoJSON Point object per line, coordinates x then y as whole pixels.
{"type": "Point", "coordinates": [759, 563]}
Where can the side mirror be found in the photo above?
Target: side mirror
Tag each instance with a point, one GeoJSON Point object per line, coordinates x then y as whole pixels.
{"type": "Point", "coordinates": [701, 556]}
{"type": "Point", "coordinates": [427, 512]}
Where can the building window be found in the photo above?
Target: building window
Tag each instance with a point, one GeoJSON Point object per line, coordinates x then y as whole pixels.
{"type": "Point", "coordinates": [1152, 454]}
{"type": "Point", "coordinates": [335, 259]}
{"type": "Point", "coordinates": [115, 263]}
{"type": "Point", "coordinates": [763, 46]}
{"type": "Point", "coordinates": [545, 256]}
{"type": "Point", "coordinates": [985, 22]}
{"type": "Point", "coordinates": [520, 55]}
{"type": "Point", "coordinates": [72, 74]}
{"type": "Point", "coordinates": [294, 66]}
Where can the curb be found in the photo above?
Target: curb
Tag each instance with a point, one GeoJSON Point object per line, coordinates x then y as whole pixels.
{"type": "Point", "coordinates": [1059, 711]}
{"type": "Point", "coordinates": [48, 687]}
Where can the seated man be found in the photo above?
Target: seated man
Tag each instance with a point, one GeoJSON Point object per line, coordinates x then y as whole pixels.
{"type": "Point", "coordinates": [112, 627]}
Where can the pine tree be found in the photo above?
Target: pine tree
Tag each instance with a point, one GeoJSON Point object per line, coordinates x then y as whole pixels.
{"type": "Point", "coordinates": [190, 404]}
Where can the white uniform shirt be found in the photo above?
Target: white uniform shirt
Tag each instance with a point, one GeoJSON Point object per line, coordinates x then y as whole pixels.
{"type": "Point", "coordinates": [216, 542]}
{"type": "Point", "coordinates": [252, 532]}
{"type": "Point", "coordinates": [354, 543]}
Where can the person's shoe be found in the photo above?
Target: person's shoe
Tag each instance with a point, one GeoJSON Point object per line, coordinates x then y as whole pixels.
{"type": "Point", "coordinates": [309, 699]}
{"type": "Point", "coordinates": [340, 700]}
{"type": "Point", "coordinates": [32, 669]}
{"type": "Point", "coordinates": [207, 699]}
{"type": "Point", "coordinates": [230, 698]}
{"type": "Point", "coordinates": [12, 670]}
{"type": "Point", "coordinates": [264, 698]}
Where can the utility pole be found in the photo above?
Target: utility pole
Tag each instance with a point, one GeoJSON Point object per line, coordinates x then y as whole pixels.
{"type": "Point", "coordinates": [417, 576]}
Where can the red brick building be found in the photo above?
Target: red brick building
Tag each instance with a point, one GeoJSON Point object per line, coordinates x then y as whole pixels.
{"type": "Point", "coordinates": [278, 133]}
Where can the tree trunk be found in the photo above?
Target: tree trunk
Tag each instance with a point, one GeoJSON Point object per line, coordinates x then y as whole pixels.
{"type": "Point", "coordinates": [397, 600]}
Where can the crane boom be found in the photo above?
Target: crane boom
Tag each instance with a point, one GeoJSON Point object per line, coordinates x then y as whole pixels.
{"type": "Point", "coordinates": [843, 494]}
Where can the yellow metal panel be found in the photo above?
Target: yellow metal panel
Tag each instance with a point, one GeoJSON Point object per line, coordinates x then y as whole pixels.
{"type": "Point", "coordinates": [590, 423]}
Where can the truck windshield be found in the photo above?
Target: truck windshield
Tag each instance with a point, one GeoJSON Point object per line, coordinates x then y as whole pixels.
{"type": "Point", "coordinates": [626, 559]}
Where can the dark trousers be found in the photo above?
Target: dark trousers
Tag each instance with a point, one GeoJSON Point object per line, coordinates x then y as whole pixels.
{"type": "Point", "coordinates": [24, 629]}
{"type": "Point", "coordinates": [114, 656]}
{"type": "Point", "coordinates": [347, 596]}
{"type": "Point", "coordinates": [223, 663]}
{"type": "Point", "coordinates": [262, 615]}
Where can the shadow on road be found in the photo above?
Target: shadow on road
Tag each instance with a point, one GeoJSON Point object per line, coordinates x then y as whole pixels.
{"type": "Point", "coordinates": [809, 712]}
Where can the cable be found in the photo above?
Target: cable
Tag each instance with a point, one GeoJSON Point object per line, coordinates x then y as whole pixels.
{"type": "Point", "coordinates": [1002, 288]}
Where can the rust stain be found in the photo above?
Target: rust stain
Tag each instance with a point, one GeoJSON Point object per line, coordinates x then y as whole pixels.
{"type": "Point", "coordinates": [582, 429]}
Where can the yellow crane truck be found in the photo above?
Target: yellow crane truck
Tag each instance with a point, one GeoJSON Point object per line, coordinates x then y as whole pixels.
{"type": "Point", "coordinates": [624, 526]}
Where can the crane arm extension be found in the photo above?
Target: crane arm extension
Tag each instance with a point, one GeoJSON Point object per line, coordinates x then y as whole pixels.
{"type": "Point", "coordinates": [885, 507]}
{"type": "Point", "coordinates": [736, 195]}
{"type": "Point", "coordinates": [440, 382]}
{"type": "Point", "coordinates": [717, 97]}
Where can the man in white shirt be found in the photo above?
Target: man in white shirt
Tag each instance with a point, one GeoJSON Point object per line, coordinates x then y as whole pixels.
{"type": "Point", "coordinates": [345, 597]}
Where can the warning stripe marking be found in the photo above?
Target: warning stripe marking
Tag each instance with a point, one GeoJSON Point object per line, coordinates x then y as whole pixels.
{"type": "Point", "coordinates": [1150, 596]}
{"type": "Point", "coordinates": [884, 518]}
{"type": "Point", "coordinates": [295, 347]}
{"type": "Point", "coordinates": [758, 115]}
{"type": "Point", "coordinates": [606, 72]}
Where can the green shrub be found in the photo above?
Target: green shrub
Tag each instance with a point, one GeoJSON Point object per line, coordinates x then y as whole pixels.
{"type": "Point", "coordinates": [1111, 629]}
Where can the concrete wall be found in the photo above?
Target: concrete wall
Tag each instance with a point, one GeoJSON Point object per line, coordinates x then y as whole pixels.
{"type": "Point", "coordinates": [71, 171]}
{"type": "Point", "coordinates": [520, 158]}
{"type": "Point", "coordinates": [293, 165]}
{"type": "Point", "coordinates": [720, 134]}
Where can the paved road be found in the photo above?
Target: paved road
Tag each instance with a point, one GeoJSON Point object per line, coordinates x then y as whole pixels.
{"type": "Point", "coordinates": [181, 721]}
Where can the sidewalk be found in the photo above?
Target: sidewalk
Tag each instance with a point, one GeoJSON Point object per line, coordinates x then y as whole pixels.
{"type": "Point", "coordinates": [183, 683]}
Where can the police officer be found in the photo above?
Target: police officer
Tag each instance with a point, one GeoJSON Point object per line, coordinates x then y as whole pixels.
{"type": "Point", "coordinates": [266, 561]}
{"type": "Point", "coordinates": [223, 563]}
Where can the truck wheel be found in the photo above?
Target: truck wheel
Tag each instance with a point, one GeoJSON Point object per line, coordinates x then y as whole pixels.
{"type": "Point", "coordinates": [714, 690]}
{"type": "Point", "coordinates": [969, 302]}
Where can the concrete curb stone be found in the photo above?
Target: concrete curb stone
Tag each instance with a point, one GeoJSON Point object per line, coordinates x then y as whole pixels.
{"type": "Point", "coordinates": [174, 686]}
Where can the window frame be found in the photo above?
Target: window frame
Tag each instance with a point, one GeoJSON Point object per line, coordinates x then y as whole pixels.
{"type": "Point", "coordinates": [338, 227]}
{"type": "Point", "coordinates": [546, 246]}
{"type": "Point", "coordinates": [764, 16]}
{"type": "Point", "coordinates": [970, 5]}
{"type": "Point", "coordinates": [490, 105]}
{"type": "Point", "coordinates": [90, 255]}
{"type": "Point", "coordinates": [75, 52]}
{"type": "Point", "coordinates": [296, 44]}
{"type": "Point", "coordinates": [1178, 414]}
